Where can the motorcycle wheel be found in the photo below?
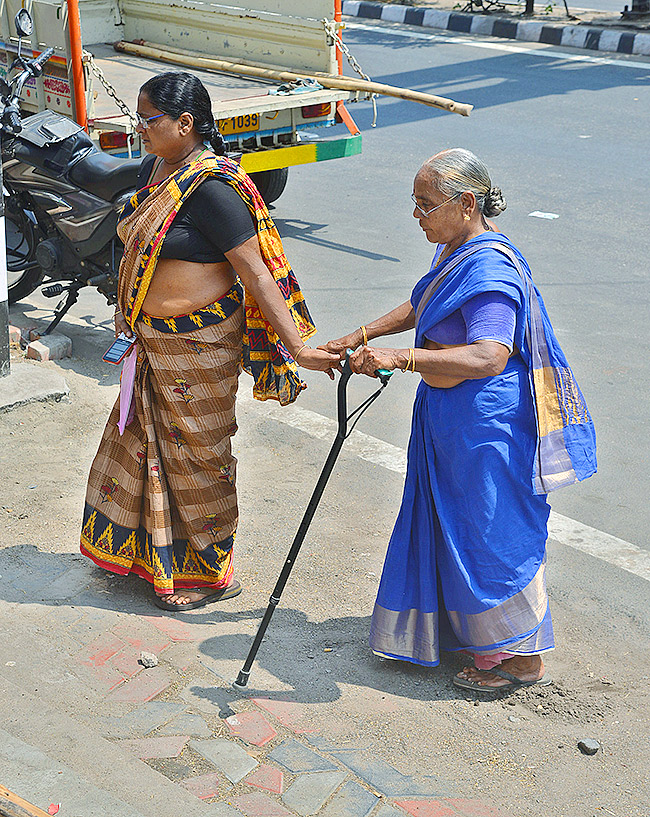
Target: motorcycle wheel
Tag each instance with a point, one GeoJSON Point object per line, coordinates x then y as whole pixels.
{"type": "Point", "coordinates": [23, 274]}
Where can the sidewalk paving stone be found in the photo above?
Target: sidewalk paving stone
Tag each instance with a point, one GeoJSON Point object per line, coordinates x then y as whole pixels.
{"type": "Point", "coordinates": [327, 745]}
{"type": "Point", "coordinates": [298, 758]}
{"type": "Point", "coordinates": [223, 810]}
{"type": "Point", "coordinates": [146, 748]}
{"type": "Point", "coordinates": [127, 663]}
{"type": "Point", "coordinates": [251, 727]}
{"type": "Point", "coordinates": [289, 713]}
{"type": "Point", "coordinates": [268, 778]}
{"type": "Point", "coordinates": [310, 791]}
{"type": "Point", "coordinates": [426, 808]}
{"type": "Point", "coordinates": [387, 811]}
{"type": "Point", "coordinates": [227, 756]}
{"type": "Point", "coordinates": [475, 808]}
{"type": "Point", "coordinates": [205, 786]}
{"type": "Point", "coordinates": [141, 636]}
{"type": "Point", "coordinates": [103, 679]}
{"type": "Point", "coordinates": [211, 700]}
{"type": "Point", "coordinates": [176, 630]}
{"type": "Point", "coordinates": [143, 687]}
{"type": "Point", "coordinates": [99, 651]}
{"type": "Point", "coordinates": [143, 719]}
{"type": "Point", "coordinates": [352, 800]}
{"type": "Point", "coordinates": [187, 724]}
{"type": "Point", "coordinates": [384, 777]}
{"type": "Point", "coordinates": [67, 584]}
{"type": "Point", "coordinates": [259, 805]}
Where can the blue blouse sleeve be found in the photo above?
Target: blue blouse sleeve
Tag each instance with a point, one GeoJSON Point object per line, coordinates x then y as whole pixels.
{"type": "Point", "coordinates": [490, 316]}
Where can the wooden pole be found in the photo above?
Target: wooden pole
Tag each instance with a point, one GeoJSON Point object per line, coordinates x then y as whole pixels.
{"type": "Point", "coordinates": [181, 57]}
{"type": "Point", "coordinates": [11, 805]}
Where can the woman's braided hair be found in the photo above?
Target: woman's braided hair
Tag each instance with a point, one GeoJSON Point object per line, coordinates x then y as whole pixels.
{"type": "Point", "coordinates": [457, 170]}
{"type": "Point", "coordinates": [177, 92]}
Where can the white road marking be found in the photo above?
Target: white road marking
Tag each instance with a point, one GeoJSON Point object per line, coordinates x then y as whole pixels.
{"type": "Point", "coordinates": [539, 49]}
{"type": "Point", "coordinates": [540, 214]}
{"type": "Point", "coordinates": [567, 531]}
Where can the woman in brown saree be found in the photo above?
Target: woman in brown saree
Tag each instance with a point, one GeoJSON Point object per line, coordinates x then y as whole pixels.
{"type": "Point", "coordinates": [161, 498]}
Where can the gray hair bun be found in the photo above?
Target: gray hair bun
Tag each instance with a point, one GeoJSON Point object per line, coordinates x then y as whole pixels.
{"type": "Point", "coordinates": [494, 202]}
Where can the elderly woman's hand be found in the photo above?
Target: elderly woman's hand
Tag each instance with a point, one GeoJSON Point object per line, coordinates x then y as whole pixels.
{"type": "Point", "coordinates": [367, 360]}
{"type": "Point", "coordinates": [341, 345]}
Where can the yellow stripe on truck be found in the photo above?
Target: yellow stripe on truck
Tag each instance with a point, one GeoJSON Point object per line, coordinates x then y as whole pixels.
{"type": "Point", "coordinates": [276, 158]}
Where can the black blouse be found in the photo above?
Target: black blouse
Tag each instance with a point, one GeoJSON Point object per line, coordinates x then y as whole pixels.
{"type": "Point", "coordinates": [212, 221]}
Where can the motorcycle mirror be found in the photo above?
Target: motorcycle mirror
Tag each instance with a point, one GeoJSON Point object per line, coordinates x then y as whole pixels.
{"type": "Point", "coordinates": [24, 23]}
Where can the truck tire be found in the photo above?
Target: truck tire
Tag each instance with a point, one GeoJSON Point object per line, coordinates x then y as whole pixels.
{"type": "Point", "coordinates": [271, 183]}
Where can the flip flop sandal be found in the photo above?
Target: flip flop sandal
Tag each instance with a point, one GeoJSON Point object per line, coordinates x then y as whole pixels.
{"type": "Point", "coordinates": [233, 589]}
{"type": "Point", "coordinates": [515, 683]}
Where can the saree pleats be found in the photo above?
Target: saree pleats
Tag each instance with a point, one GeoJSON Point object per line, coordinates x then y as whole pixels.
{"type": "Point", "coordinates": [161, 499]}
{"type": "Point", "coordinates": [465, 568]}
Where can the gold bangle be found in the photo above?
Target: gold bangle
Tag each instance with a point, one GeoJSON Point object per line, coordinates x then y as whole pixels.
{"type": "Point", "coordinates": [295, 357]}
{"type": "Point", "coordinates": [413, 360]}
{"type": "Point", "coordinates": [408, 362]}
{"type": "Point", "coordinates": [364, 335]}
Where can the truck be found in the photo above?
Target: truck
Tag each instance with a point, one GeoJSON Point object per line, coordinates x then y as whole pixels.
{"type": "Point", "coordinates": [272, 124]}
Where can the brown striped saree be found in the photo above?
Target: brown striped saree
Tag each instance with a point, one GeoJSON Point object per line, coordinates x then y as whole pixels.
{"type": "Point", "coordinates": [161, 499]}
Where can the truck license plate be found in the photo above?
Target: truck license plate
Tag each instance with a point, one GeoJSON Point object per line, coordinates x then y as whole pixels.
{"type": "Point", "coordinates": [240, 124]}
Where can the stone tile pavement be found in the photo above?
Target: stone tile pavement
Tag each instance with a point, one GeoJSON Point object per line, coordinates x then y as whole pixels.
{"type": "Point", "coordinates": [85, 725]}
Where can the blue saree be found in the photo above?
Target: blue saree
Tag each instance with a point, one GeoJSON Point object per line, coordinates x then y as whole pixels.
{"type": "Point", "coordinates": [465, 567]}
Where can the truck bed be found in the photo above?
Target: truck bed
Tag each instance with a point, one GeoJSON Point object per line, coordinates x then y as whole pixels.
{"type": "Point", "coordinates": [231, 95]}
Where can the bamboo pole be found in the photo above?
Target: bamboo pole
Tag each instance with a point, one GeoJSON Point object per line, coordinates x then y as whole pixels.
{"type": "Point", "coordinates": [182, 57]}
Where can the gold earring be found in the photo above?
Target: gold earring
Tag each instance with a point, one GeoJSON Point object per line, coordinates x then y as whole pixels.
{"type": "Point", "coordinates": [466, 217]}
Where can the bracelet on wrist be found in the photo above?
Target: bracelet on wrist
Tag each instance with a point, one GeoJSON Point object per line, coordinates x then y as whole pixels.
{"type": "Point", "coordinates": [297, 355]}
{"type": "Point", "coordinates": [364, 335]}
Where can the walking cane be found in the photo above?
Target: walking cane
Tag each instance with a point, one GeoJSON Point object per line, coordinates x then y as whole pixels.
{"type": "Point", "coordinates": [341, 435]}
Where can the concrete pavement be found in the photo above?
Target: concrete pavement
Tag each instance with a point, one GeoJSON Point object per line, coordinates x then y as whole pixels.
{"type": "Point", "coordinates": [87, 726]}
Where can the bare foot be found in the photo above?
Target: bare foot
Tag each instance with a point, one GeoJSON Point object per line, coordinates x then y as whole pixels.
{"type": "Point", "coordinates": [524, 667]}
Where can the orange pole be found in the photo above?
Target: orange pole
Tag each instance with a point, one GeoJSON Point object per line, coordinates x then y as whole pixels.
{"type": "Point", "coordinates": [338, 16]}
{"type": "Point", "coordinates": [79, 85]}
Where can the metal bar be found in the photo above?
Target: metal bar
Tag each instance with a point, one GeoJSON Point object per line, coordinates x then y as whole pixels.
{"type": "Point", "coordinates": [78, 82]}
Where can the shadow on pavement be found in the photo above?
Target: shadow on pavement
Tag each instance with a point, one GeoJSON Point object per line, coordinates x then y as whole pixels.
{"type": "Point", "coordinates": [312, 658]}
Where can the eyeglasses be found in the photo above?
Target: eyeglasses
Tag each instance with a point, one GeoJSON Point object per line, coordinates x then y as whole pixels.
{"type": "Point", "coordinates": [428, 212]}
{"type": "Point", "coordinates": [143, 121]}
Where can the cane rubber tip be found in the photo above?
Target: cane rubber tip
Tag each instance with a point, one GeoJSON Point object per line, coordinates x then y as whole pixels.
{"type": "Point", "coordinates": [239, 686]}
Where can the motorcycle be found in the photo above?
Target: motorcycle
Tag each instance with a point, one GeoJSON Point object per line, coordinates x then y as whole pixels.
{"type": "Point", "coordinates": [62, 197]}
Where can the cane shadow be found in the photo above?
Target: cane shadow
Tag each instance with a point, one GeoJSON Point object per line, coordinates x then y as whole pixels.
{"type": "Point", "coordinates": [307, 231]}
{"type": "Point", "coordinates": [313, 659]}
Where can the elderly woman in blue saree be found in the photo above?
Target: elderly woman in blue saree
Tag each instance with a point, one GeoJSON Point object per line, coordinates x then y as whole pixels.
{"type": "Point", "coordinates": [498, 422]}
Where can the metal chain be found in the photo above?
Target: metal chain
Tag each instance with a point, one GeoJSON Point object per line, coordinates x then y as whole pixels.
{"type": "Point", "coordinates": [330, 28]}
{"type": "Point", "coordinates": [110, 90]}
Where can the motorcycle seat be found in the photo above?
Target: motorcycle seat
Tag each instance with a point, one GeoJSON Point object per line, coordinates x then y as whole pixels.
{"type": "Point", "coordinates": [104, 175]}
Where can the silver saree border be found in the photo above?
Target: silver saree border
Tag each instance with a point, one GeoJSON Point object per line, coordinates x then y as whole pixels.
{"type": "Point", "coordinates": [413, 634]}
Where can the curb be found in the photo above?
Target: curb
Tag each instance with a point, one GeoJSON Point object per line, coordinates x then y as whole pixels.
{"type": "Point", "coordinates": [592, 38]}
{"type": "Point", "coordinates": [31, 383]}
